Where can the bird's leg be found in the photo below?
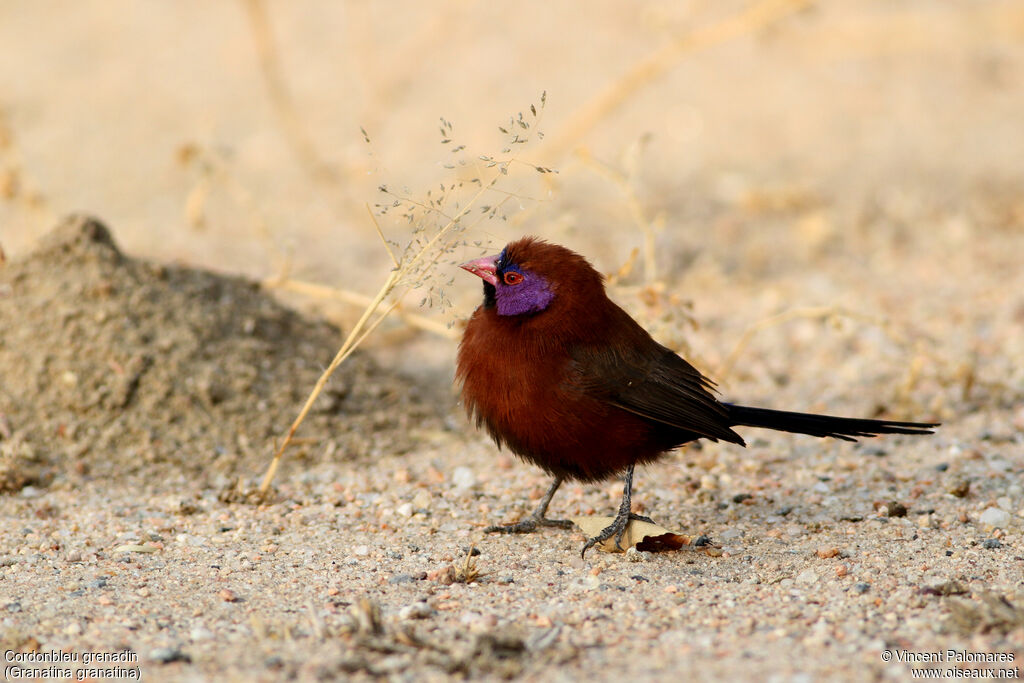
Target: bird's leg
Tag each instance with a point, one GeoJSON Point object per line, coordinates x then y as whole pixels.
{"type": "Point", "coordinates": [537, 519]}
{"type": "Point", "coordinates": [618, 527]}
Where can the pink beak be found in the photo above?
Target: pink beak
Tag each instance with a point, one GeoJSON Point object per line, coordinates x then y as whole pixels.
{"type": "Point", "coordinates": [484, 268]}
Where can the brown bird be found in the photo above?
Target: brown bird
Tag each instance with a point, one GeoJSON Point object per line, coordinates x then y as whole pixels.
{"type": "Point", "coordinates": [568, 381]}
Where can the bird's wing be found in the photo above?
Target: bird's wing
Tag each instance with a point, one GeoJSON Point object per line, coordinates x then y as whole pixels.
{"type": "Point", "coordinates": [651, 381]}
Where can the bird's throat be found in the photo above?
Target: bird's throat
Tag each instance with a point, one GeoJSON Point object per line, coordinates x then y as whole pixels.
{"type": "Point", "coordinates": [490, 295]}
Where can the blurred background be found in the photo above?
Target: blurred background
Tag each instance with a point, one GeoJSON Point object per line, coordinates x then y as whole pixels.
{"type": "Point", "coordinates": [760, 156]}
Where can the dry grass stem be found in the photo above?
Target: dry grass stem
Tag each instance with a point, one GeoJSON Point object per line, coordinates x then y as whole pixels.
{"type": "Point", "coordinates": [754, 18]}
{"type": "Point", "coordinates": [634, 207]}
{"type": "Point", "coordinates": [317, 291]}
{"type": "Point", "coordinates": [214, 171]}
{"type": "Point", "coordinates": [380, 234]}
{"type": "Point", "coordinates": [281, 98]}
{"type": "Point", "coordinates": [414, 267]}
{"type": "Point", "coordinates": [468, 572]}
{"type": "Point", "coordinates": [355, 337]}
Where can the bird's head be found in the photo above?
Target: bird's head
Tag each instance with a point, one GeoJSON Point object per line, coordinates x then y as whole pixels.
{"type": "Point", "coordinates": [530, 275]}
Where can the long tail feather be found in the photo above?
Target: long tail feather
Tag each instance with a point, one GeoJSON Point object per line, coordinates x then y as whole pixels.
{"type": "Point", "coordinates": [846, 428]}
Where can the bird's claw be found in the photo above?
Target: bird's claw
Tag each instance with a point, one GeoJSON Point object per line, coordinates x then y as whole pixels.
{"type": "Point", "coordinates": [617, 528]}
{"type": "Point", "coordinates": [528, 525]}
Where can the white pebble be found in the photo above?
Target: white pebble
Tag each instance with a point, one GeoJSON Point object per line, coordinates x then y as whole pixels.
{"type": "Point", "coordinates": [417, 610]}
{"type": "Point", "coordinates": [405, 510]}
{"type": "Point", "coordinates": [463, 478]}
{"type": "Point", "coordinates": [361, 550]}
{"type": "Point", "coordinates": [634, 555]}
{"type": "Point", "coordinates": [190, 539]}
{"type": "Point", "coordinates": [422, 500]}
{"type": "Point", "coordinates": [200, 633]}
{"type": "Point", "coordinates": [995, 517]}
{"type": "Point", "coordinates": [807, 577]}
{"type": "Point", "coordinates": [999, 465]}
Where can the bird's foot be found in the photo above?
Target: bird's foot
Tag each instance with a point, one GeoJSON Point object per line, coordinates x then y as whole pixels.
{"type": "Point", "coordinates": [528, 525]}
{"type": "Point", "coordinates": [617, 528]}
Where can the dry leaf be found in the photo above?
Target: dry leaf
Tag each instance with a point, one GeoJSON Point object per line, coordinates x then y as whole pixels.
{"type": "Point", "coordinates": [643, 536]}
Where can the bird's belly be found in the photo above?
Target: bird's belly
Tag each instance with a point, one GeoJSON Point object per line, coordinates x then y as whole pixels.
{"type": "Point", "coordinates": [576, 437]}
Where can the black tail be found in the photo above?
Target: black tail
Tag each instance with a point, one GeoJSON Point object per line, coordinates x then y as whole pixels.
{"type": "Point", "coordinates": [846, 428]}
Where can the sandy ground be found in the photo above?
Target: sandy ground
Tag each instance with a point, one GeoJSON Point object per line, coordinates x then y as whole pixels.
{"type": "Point", "coordinates": [833, 200]}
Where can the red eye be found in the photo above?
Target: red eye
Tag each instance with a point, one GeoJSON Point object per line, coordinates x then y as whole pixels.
{"type": "Point", "coordinates": [511, 277]}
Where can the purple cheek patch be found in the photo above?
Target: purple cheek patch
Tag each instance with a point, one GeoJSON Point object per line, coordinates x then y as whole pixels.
{"type": "Point", "coordinates": [532, 295]}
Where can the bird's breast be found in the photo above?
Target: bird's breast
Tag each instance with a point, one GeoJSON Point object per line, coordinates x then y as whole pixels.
{"type": "Point", "coordinates": [531, 399]}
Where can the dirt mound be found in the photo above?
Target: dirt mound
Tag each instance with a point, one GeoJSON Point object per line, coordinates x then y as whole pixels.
{"type": "Point", "coordinates": [111, 365]}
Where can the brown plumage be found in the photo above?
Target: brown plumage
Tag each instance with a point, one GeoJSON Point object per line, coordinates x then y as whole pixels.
{"type": "Point", "coordinates": [567, 380]}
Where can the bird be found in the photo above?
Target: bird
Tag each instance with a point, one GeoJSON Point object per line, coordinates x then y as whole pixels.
{"type": "Point", "coordinates": [564, 378]}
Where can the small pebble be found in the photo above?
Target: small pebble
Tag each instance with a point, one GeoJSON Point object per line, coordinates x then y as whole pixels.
{"type": "Point", "coordinates": [895, 509]}
{"type": "Point", "coordinates": [361, 550]}
{"type": "Point", "coordinates": [166, 655]}
{"type": "Point", "coordinates": [994, 517]}
{"type": "Point", "coordinates": [992, 543]}
{"type": "Point", "coordinates": [422, 500]}
{"type": "Point", "coordinates": [959, 487]}
{"type": "Point", "coordinates": [862, 587]}
{"type": "Point", "coordinates": [417, 610]}
{"type": "Point", "coordinates": [634, 555]}
{"type": "Point", "coordinates": [463, 478]}
{"type": "Point", "coordinates": [807, 577]}
{"type": "Point", "coordinates": [444, 576]}
{"type": "Point", "coordinates": [200, 633]}
{"type": "Point", "coordinates": [401, 578]}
